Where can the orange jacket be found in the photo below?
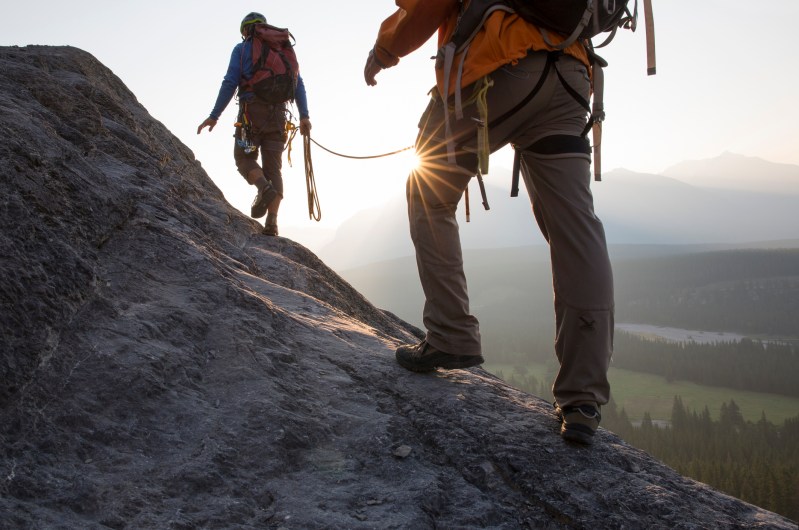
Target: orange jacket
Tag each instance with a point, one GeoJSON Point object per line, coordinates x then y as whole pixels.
{"type": "Point", "coordinates": [505, 38]}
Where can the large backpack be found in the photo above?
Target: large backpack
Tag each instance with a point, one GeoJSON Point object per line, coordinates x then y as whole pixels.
{"type": "Point", "coordinates": [274, 66]}
{"type": "Point", "coordinates": [574, 20]}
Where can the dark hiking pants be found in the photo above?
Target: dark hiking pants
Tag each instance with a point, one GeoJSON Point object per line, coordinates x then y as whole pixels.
{"type": "Point", "coordinates": [555, 168]}
{"type": "Point", "coordinates": [268, 135]}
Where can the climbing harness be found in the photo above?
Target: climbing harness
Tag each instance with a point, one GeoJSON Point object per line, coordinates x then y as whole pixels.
{"type": "Point", "coordinates": [596, 18]}
{"type": "Point", "coordinates": [245, 129]}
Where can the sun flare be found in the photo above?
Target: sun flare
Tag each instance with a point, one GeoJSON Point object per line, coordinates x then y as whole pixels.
{"type": "Point", "coordinates": [411, 160]}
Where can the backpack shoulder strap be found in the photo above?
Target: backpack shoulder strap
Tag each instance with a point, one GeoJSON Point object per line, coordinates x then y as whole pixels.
{"type": "Point", "coordinates": [472, 18]}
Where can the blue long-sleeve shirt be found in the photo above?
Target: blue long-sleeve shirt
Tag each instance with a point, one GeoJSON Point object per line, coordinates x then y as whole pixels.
{"type": "Point", "coordinates": [241, 67]}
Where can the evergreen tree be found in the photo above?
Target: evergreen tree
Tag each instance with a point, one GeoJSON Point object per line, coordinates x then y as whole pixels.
{"type": "Point", "coordinates": [756, 462]}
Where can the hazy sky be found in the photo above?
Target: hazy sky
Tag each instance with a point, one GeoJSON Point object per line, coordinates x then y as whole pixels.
{"type": "Point", "coordinates": [727, 79]}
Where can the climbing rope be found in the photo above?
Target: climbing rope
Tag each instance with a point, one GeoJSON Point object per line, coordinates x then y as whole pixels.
{"type": "Point", "coordinates": [362, 157]}
{"type": "Point", "coordinates": [314, 208]}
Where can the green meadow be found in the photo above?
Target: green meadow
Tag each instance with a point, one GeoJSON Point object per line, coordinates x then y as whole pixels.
{"type": "Point", "coordinates": [638, 393]}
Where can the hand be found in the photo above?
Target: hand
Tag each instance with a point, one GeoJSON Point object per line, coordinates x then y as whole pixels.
{"type": "Point", "coordinates": [209, 122]}
{"type": "Point", "coordinates": [305, 126]}
{"type": "Point", "coordinates": [371, 69]}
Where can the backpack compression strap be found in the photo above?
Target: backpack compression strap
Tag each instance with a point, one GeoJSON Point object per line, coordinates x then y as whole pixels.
{"type": "Point", "coordinates": [649, 26]}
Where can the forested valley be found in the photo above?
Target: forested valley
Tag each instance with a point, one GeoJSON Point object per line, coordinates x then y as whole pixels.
{"type": "Point", "coordinates": [754, 292]}
{"type": "Point", "coordinates": [757, 366]}
{"type": "Point", "coordinates": [750, 292]}
{"type": "Point", "coordinates": [756, 462]}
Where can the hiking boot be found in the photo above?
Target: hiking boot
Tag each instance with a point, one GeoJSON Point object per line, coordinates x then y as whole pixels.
{"type": "Point", "coordinates": [270, 229]}
{"type": "Point", "coordinates": [423, 357]}
{"type": "Point", "coordinates": [265, 196]}
{"type": "Point", "coordinates": [579, 422]}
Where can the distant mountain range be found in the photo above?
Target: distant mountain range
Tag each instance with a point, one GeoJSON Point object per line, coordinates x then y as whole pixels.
{"type": "Point", "coordinates": [737, 172]}
{"type": "Point", "coordinates": [730, 200]}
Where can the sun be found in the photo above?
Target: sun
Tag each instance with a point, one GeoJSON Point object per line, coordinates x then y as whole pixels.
{"type": "Point", "coordinates": [411, 159]}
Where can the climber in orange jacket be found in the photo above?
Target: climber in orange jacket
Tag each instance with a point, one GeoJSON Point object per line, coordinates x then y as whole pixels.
{"type": "Point", "coordinates": [524, 92]}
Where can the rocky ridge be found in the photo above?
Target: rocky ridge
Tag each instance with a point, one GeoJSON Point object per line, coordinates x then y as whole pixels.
{"type": "Point", "coordinates": [164, 365]}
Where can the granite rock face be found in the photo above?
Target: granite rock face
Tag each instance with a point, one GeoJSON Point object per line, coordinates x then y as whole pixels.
{"type": "Point", "coordinates": [164, 365]}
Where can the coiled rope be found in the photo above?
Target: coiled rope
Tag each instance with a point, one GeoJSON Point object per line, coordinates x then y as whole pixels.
{"type": "Point", "coordinates": [314, 209]}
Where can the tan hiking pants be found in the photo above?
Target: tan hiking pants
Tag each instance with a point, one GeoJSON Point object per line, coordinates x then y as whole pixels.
{"type": "Point", "coordinates": [556, 171]}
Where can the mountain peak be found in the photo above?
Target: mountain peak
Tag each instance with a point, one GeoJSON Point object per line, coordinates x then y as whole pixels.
{"type": "Point", "coordinates": [738, 172]}
{"type": "Point", "coordinates": [166, 365]}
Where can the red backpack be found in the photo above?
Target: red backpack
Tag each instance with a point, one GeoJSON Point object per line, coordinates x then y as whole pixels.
{"type": "Point", "coordinates": [274, 65]}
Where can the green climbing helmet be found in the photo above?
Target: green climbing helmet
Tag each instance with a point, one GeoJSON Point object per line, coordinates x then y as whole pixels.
{"type": "Point", "coordinates": [250, 19]}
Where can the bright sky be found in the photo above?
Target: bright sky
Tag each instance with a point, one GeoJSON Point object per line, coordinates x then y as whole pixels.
{"type": "Point", "coordinates": [727, 79]}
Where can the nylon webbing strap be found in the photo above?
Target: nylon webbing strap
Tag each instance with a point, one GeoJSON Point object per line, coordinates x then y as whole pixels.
{"type": "Point", "coordinates": [573, 93]}
{"type": "Point", "coordinates": [482, 187]}
{"type": "Point", "coordinates": [551, 58]}
{"type": "Point", "coordinates": [649, 25]}
{"type": "Point", "coordinates": [466, 199]}
{"type": "Point", "coordinates": [483, 144]}
{"type": "Point", "coordinates": [588, 15]}
{"type": "Point", "coordinates": [517, 166]}
{"type": "Point", "coordinates": [458, 91]}
{"type": "Point", "coordinates": [597, 117]}
{"type": "Point", "coordinates": [597, 137]}
{"type": "Point", "coordinates": [449, 56]}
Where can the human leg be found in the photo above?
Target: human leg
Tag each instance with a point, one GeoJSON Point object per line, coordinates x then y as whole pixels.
{"type": "Point", "coordinates": [272, 163]}
{"type": "Point", "coordinates": [247, 165]}
{"type": "Point", "coordinates": [583, 286]}
{"type": "Point", "coordinates": [267, 134]}
{"type": "Point", "coordinates": [271, 137]}
{"type": "Point", "coordinates": [556, 171]}
{"type": "Point", "coordinates": [433, 192]}
{"type": "Point", "coordinates": [582, 276]}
